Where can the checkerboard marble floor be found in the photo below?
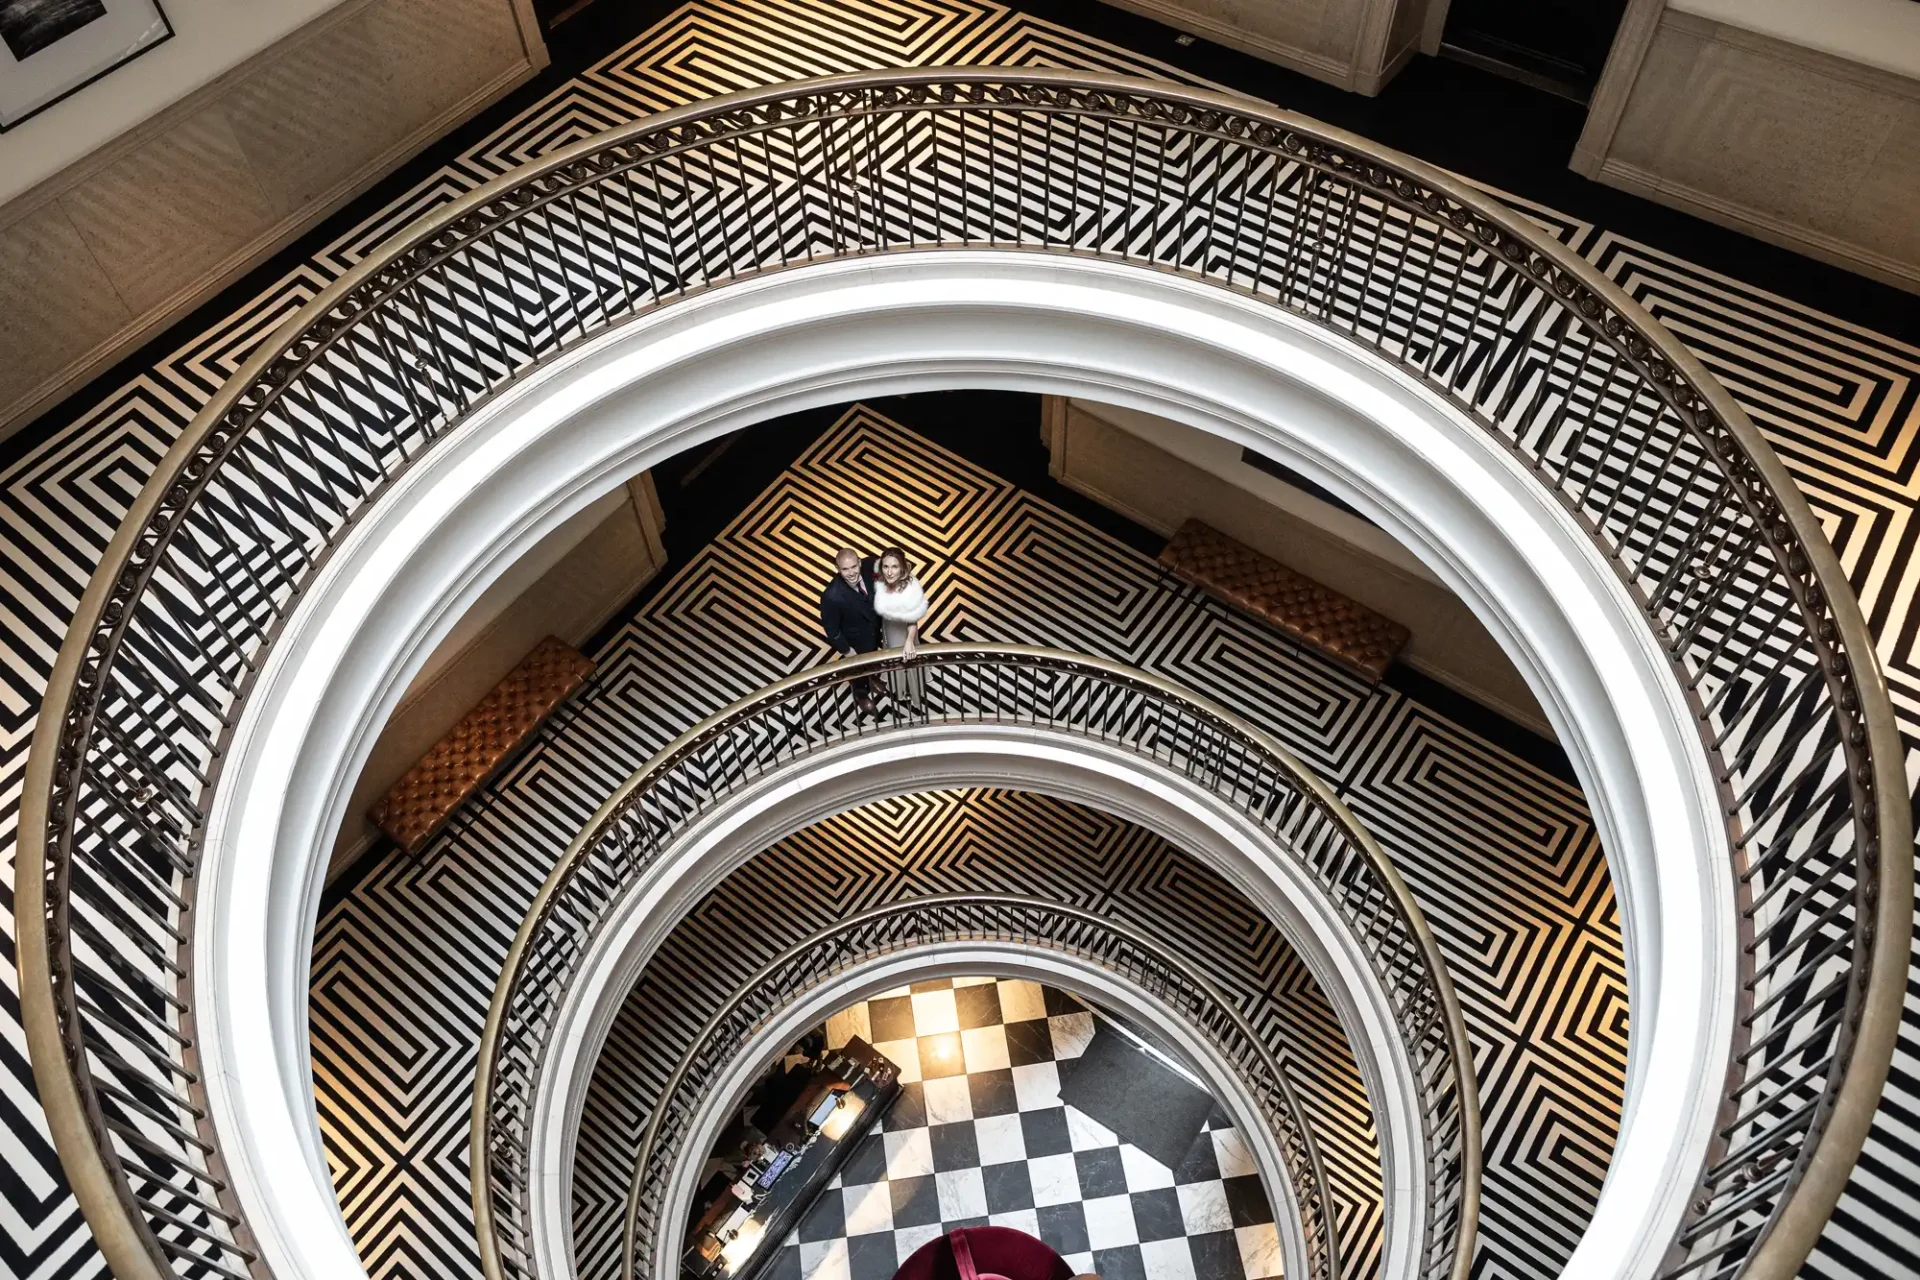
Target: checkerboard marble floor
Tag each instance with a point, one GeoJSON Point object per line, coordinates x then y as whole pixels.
{"type": "Point", "coordinates": [980, 1135]}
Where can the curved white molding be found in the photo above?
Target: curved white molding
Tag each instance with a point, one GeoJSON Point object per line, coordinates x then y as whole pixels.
{"type": "Point", "coordinates": [864, 770]}
{"type": "Point", "coordinates": [573, 429]}
{"type": "Point", "coordinates": [1103, 989]}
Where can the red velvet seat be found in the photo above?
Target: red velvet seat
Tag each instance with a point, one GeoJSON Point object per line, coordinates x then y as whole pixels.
{"type": "Point", "coordinates": [997, 1251]}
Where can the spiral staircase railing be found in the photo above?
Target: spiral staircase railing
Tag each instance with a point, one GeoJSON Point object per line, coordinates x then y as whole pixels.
{"type": "Point", "coordinates": [1033, 689]}
{"type": "Point", "coordinates": [1645, 450]}
{"type": "Point", "coordinates": [924, 923]}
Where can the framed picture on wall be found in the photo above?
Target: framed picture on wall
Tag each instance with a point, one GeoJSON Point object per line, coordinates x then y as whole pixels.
{"type": "Point", "coordinates": [52, 48]}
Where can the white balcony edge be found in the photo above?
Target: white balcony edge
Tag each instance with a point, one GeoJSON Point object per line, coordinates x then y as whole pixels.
{"type": "Point", "coordinates": [1052, 763]}
{"type": "Point", "coordinates": [708, 365]}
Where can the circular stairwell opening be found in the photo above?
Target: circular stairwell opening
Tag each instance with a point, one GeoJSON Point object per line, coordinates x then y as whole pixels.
{"type": "Point", "coordinates": [1599, 732]}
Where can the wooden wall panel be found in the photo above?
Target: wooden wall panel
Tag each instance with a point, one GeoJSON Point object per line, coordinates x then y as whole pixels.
{"type": "Point", "coordinates": [1358, 46]}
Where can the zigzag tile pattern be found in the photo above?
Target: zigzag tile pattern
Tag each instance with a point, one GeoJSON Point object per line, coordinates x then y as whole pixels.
{"type": "Point", "coordinates": [1839, 401]}
{"type": "Point", "coordinates": [956, 842]}
{"type": "Point", "coordinates": [1505, 855]}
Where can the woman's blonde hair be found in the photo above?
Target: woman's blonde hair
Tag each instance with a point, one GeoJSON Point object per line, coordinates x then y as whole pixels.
{"type": "Point", "coordinates": [906, 565]}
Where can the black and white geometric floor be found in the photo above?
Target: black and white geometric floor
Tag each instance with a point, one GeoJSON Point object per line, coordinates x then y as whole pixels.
{"type": "Point", "coordinates": [1839, 401]}
{"type": "Point", "coordinates": [980, 1136]}
{"type": "Point", "coordinates": [1501, 854]}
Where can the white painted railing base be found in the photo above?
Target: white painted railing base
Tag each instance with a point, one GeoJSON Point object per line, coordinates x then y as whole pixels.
{"type": "Point", "coordinates": [868, 769]}
{"type": "Point", "coordinates": [825, 334]}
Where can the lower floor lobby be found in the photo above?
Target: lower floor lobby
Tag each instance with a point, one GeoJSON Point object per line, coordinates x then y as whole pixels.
{"type": "Point", "coordinates": [1491, 835]}
{"type": "Point", "coordinates": [983, 1135]}
{"type": "Point", "coordinates": [983, 1064]}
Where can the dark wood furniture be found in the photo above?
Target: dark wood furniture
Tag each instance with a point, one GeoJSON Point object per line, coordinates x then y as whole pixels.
{"type": "Point", "coordinates": [768, 1169]}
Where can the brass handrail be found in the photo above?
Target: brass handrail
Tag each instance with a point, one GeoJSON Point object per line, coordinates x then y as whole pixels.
{"type": "Point", "coordinates": [398, 350]}
{"type": "Point", "coordinates": [1040, 690]}
{"type": "Point", "coordinates": [929, 921]}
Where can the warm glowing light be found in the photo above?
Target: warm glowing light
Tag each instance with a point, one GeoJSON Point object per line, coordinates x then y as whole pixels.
{"type": "Point", "coordinates": [741, 1247]}
{"type": "Point", "coordinates": [842, 1118]}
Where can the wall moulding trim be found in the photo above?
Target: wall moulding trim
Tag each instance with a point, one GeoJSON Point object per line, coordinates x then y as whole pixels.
{"type": "Point", "coordinates": [1731, 214]}
{"type": "Point", "coordinates": [1366, 70]}
{"type": "Point", "coordinates": [1631, 40]}
{"type": "Point", "coordinates": [54, 383]}
{"type": "Point", "coordinates": [579, 427]}
{"type": "Point", "coordinates": [1850, 57]}
{"type": "Point", "coordinates": [1645, 24]}
{"type": "Point", "coordinates": [170, 117]}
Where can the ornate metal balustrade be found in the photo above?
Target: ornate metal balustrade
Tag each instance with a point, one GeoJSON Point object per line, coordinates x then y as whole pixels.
{"type": "Point", "coordinates": [924, 923]}
{"type": "Point", "coordinates": [1607, 410]}
{"type": "Point", "coordinates": [974, 685]}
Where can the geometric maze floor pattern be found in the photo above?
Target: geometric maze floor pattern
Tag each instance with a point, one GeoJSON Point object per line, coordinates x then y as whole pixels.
{"type": "Point", "coordinates": [1502, 855]}
{"type": "Point", "coordinates": [987, 840]}
{"type": "Point", "coordinates": [1840, 402]}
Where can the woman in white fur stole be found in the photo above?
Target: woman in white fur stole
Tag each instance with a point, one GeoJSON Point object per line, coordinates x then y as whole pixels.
{"type": "Point", "coordinates": [901, 604]}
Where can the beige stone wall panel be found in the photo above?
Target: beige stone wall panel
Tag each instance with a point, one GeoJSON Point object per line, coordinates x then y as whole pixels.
{"type": "Point", "coordinates": [1886, 207]}
{"type": "Point", "coordinates": [167, 215]}
{"type": "Point", "coordinates": [1792, 145]}
{"type": "Point", "coordinates": [102, 256]}
{"type": "Point", "coordinates": [44, 257]}
{"type": "Point", "coordinates": [1357, 46]}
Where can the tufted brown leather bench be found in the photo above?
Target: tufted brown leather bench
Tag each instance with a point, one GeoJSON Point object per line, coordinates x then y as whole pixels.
{"type": "Point", "coordinates": [1351, 634]}
{"type": "Point", "coordinates": [456, 766]}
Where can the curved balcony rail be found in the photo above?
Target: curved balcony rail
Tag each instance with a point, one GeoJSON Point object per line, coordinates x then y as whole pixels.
{"type": "Point", "coordinates": [962, 918]}
{"type": "Point", "coordinates": [1648, 454]}
{"type": "Point", "coordinates": [974, 685]}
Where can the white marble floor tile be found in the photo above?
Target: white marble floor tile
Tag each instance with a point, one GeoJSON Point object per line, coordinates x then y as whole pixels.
{"type": "Point", "coordinates": [934, 1012]}
{"type": "Point", "coordinates": [963, 1194]}
{"type": "Point", "coordinates": [1259, 1250]}
{"type": "Point", "coordinates": [909, 1154]}
{"type": "Point", "coordinates": [1110, 1222]}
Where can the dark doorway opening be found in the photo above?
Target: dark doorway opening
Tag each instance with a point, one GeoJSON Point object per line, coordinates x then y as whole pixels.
{"type": "Point", "coordinates": [1556, 45]}
{"type": "Point", "coordinates": [552, 13]}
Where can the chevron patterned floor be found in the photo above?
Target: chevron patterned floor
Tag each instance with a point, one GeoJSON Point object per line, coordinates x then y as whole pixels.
{"type": "Point", "coordinates": [957, 842]}
{"type": "Point", "coordinates": [1841, 403]}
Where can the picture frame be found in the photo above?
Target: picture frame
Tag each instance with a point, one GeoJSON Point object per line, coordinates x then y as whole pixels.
{"type": "Point", "coordinates": [52, 49]}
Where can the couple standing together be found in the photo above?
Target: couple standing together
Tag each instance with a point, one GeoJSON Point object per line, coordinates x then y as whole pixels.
{"type": "Point", "coordinates": [870, 602]}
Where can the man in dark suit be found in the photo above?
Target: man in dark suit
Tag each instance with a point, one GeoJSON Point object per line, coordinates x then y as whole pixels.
{"type": "Point", "coordinates": [848, 618]}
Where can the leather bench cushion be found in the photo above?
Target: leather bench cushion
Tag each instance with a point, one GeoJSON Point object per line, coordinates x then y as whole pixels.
{"type": "Point", "coordinates": [1316, 615]}
{"type": "Point", "coordinates": [454, 767]}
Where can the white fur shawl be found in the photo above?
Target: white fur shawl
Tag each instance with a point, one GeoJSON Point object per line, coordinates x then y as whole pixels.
{"type": "Point", "coordinates": [908, 604]}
